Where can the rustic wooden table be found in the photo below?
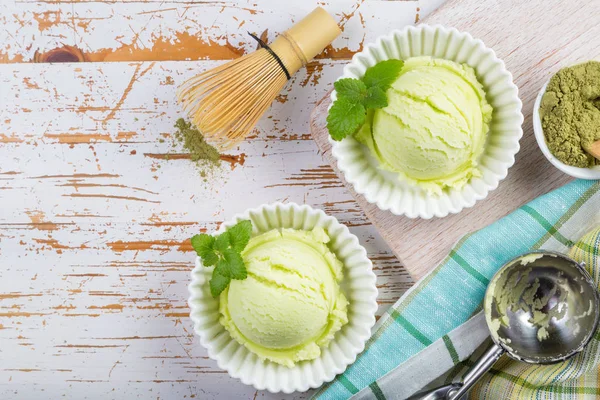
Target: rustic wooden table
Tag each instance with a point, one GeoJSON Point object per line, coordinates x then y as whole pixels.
{"type": "Point", "coordinates": [96, 206]}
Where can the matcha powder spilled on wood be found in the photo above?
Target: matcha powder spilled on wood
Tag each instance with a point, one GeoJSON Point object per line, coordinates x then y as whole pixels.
{"type": "Point", "coordinates": [206, 156]}
{"type": "Point", "coordinates": [570, 113]}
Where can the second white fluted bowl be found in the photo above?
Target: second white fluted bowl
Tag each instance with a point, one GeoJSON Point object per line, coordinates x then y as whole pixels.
{"type": "Point", "coordinates": [358, 286]}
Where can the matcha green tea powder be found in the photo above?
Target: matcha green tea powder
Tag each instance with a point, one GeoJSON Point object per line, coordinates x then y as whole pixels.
{"type": "Point", "coordinates": [570, 113]}
{"type": "Point", "coordinates": [205, 157]}
{"type": "Point", "coordinates": [194, 142]}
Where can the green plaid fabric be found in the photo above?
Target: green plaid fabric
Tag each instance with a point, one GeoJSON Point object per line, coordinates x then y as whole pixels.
{"type": "Point", "coordinates": [429, 335]}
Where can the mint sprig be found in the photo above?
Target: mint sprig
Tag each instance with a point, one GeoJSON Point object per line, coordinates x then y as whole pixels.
{"type": "Point", "coordinates": [383, 74]}
{"type": "Point", "coordinates": [354, 96]}
{"type": "Point", "coordinates": [224, 252]}
{"type": "Point", "coordinates": [353, 90]}
{"type": "Point", "coordinates": [345, 117]}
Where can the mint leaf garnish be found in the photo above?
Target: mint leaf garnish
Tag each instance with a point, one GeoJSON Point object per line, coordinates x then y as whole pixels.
{"type": "Point", "coordinates": [235, 264]}
{"type": "Point", "coordinates": [239, 235]}
{"type": "Point", "coordinates": [355, 96]}
{"type": "Point", "coordinates": [223, 268]}
{"type": "Point", "coordinates": [344, 118]}
{"type": "Point", "coordinates": [204, 246]}
{"type": "Point", "coordinates": [224, 252]}
{"type": "Point", "coordinates": [218, 283]}
{"type": "Point", "coordinates": [350, 89]}
{"type": "Point", "coordinates": [222, 242]}
{"type": "Point", "coordinates": [375, 98]}
{"type": "Point", "coordinates": [383, 74]}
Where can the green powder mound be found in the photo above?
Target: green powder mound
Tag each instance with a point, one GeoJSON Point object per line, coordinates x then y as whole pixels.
{"type": "Point", "coordinates": [194, 142]}
{"type": "Point", "coordinates": [570, 113]}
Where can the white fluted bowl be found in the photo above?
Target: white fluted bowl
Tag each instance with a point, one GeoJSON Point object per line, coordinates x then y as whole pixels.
{"type": "Point", "coordinates": [358, 286]}
{"type": "Point", "coordinates": [386, 189]}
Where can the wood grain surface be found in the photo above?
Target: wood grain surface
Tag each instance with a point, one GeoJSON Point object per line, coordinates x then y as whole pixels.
{"type": "Point", "coordinates": [96, 205]}
{"type": "Point", "coordinates": [535, 39]}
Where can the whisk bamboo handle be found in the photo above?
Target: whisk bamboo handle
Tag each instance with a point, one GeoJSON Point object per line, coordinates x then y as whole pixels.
{"type": "Point", "coordinates": [303, 41]}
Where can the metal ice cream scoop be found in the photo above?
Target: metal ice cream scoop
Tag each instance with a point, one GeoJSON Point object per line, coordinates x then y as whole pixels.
{"type": "Point", "coordinates": [540, 308]}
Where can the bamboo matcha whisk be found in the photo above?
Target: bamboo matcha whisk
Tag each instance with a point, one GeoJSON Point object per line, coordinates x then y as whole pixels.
{"type": "Point", "coordinates": [226, 102]}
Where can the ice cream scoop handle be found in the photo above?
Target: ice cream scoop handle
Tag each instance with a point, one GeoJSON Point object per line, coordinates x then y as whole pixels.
{"type": "Point", "coordinates": [456, 390]}
{"type": "Point", "coordinates": [481, 367]}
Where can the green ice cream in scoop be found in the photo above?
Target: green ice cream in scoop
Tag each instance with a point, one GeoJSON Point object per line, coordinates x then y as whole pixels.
{"type": "Point", "coordinates": [434, 129]}
{"type": "Point", "coordinates": [290, 306]}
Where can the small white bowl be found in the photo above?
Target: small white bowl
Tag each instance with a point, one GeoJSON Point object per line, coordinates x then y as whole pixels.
{"type": "Point", "coordinates": [358, 286]}
{"type": "Point", "coordinates": [576, 172]}
{"type": "Point", "coordinates": [386, 189]}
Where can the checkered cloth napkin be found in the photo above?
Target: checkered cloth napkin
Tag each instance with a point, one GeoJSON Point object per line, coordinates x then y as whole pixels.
{"type": "Point", "coordinates": [433, 333]}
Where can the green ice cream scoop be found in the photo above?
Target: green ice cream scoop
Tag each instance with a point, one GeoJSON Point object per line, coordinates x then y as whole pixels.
{"type": "Point", "coordinates": [434, 129]}
{"type": "Point", "coordinates": [290, 305]}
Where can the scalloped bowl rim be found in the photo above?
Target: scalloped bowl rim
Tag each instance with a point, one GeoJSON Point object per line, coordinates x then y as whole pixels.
{"type": "Point", "coordinates": [452, 207]}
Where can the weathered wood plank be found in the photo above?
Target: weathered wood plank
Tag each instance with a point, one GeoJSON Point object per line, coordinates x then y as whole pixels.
{"type": "Point", "coordinates": [94, 223]}
{"type": "Point", "coordinates": [182, 30]}
{"type": "Point", "coordinates": [94, 218]}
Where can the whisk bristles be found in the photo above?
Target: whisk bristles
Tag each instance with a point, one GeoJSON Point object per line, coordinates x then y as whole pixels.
{"type": "Point", "coordinates": [226, 102]}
